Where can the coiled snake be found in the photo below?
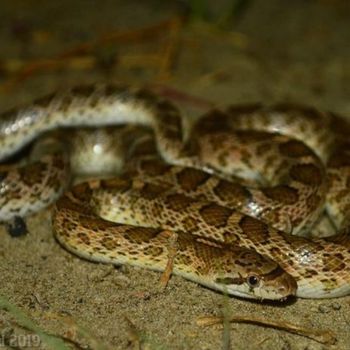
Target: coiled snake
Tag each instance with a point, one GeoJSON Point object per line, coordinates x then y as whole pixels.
{"type": "Point", "coordinates": [243, 238]}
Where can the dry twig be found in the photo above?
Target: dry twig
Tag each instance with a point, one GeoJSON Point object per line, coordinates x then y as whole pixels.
{"type": "Point", "coordinates": [85, 57]}
{"type": "Point", "coordinates": [323, 336]}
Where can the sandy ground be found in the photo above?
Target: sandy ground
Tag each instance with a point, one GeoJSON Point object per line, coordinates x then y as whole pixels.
{"type": "Point", "coordinates": [278, 51]}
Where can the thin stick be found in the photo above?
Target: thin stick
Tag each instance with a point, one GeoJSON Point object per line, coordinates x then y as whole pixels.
{"type": "Point", "coordinates": [172, 250]}
{"type": "Point", "coordinates": [128, 36]}
{"type": "Point", "coordinates": [182, 97]}
{"type": "Point", "coordinates": [82, 56]}
{"type": "Point", "coordinates": [323, 336]}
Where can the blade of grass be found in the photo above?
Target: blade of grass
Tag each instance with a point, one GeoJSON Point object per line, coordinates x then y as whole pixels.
{"type": "Point", "coordinates": [23, 320]}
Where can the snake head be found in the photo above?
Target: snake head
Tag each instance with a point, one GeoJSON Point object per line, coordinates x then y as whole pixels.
{"type": "Point", "coordinates": [245, 273]}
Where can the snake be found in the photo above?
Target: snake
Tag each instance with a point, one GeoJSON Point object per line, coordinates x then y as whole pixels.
{"type": "Point", "coordinates": [241, 195]}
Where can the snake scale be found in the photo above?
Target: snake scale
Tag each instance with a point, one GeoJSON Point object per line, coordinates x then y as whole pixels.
{"type": "Point", "coordinates": [239, 191]}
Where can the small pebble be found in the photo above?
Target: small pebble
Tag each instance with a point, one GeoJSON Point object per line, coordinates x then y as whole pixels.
{"type": "Point", "coordinates": [336, 306]}
{"type": "Point", "coordinates": [324, 309]}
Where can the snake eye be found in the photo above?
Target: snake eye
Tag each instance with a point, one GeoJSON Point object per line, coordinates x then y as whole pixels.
{"type": "Point", "coordinates": [253, 281]}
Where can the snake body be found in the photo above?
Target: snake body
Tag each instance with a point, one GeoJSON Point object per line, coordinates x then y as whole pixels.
{"type": "Point", "coordinates": [237, 237]}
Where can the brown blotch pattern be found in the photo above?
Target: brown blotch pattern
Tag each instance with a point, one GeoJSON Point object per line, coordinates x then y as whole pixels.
{"type": "Point", "coordinates": [154, 167]}
{"type": "Point", "coordinates": [307, 174]}
{"type": "Point", "coordinates": [282, 193]}
{"type": "Point", "coordinates": [141, 234]}
{"type": "Point", "coordinates": [189, 179]}
{"type": "Point", "coordinates": [215, 215]}
{"type": "Point", "coordinates": [232, 193]}
{"type": "Point", "coordinates": [254, 229]}
{"type": "Point", "coordinates": [294, 149]}
{"type": "Point", "coordinates": [151, 191]}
